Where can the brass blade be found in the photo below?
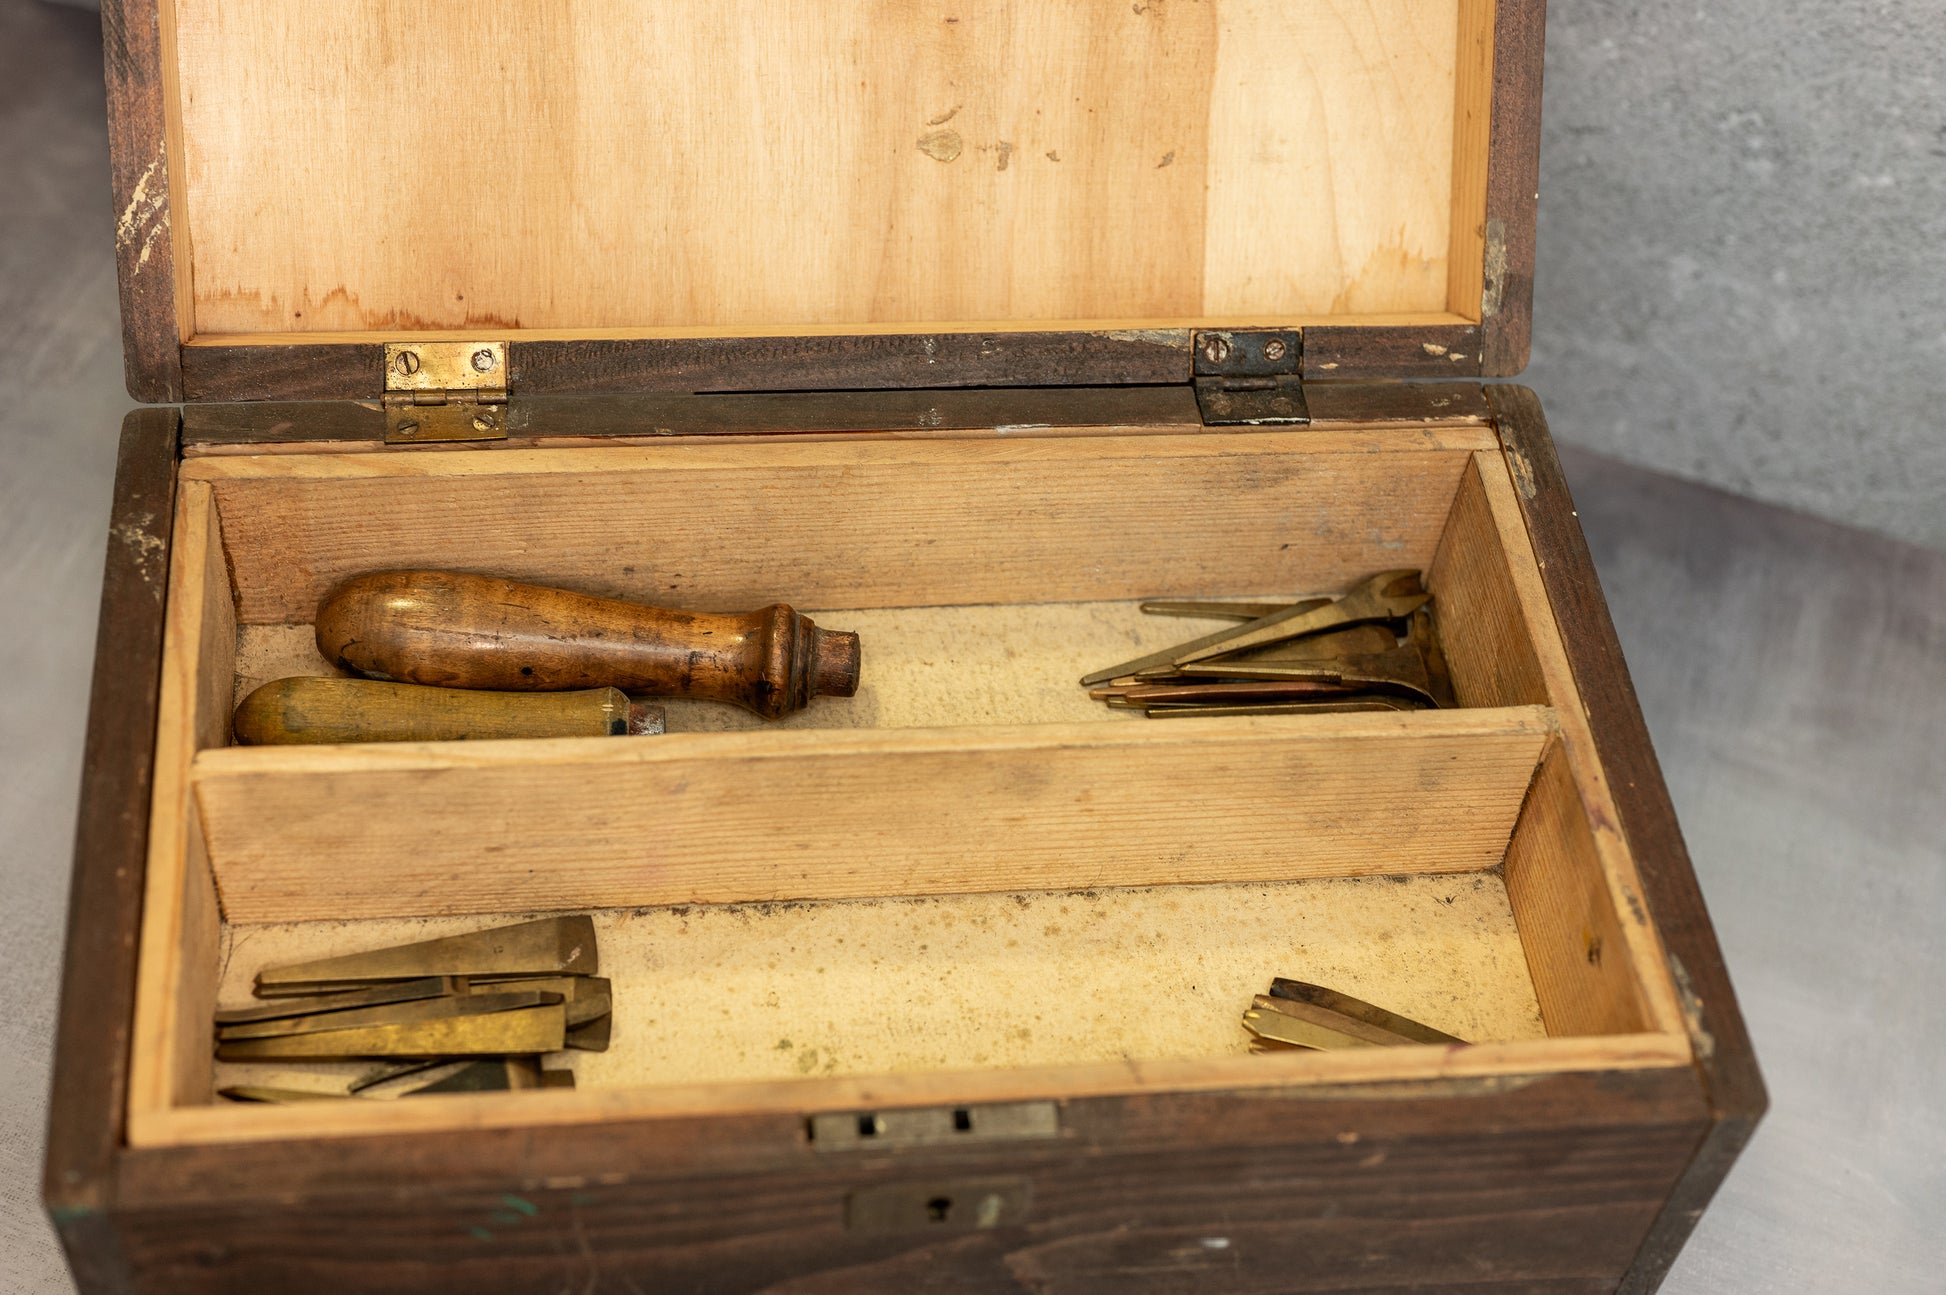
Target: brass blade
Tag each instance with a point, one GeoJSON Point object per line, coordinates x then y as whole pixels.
{"type": "Point", "coordinates": [408, 1077]}
{"type": "Point", "coordinates": [1423, 635]}
{"type": "Point", "coordinates": [547, 947]}
{"type": "Point", "coordinates": [1350, 706]}
{"type": "Point", "coordinates": [586, 996]}
{"type": "Point", "coordinates": [1400, 670]}
{"type": "Point", "coordinates": [404, 991]}
{"type": "Point", "coordinates": [265, 1093]}
{"type": "Point", "coordinates": [1267, 1024]}
{"type": "Point", "coordinates": [1354, 640]}
{"type": "Point", "coordinates": [1331, 1000]}
{"type": "Point", "coordinates": [1227, 611]}
{"type": "Point", "coordinates": [1330, 1020]}
{"type": "Point", "coordinates": [489, 1075]}
{"type": "Point", "coordinates": [592, 1037]}
{"type": "Point", "coordinates": [531, 1029]}
{"type": "Point", "coordinates": [424, 1009]}
{"type": "Point", "coordinates": [1212, 693]}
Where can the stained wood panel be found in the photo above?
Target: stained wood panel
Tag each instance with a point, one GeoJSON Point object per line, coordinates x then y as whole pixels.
{"type": "Point", "coordinates": [805, 163]}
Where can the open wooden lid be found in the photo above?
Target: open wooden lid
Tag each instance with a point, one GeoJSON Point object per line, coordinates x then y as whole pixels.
{"type": "Point", "coordinates": [689, 195]}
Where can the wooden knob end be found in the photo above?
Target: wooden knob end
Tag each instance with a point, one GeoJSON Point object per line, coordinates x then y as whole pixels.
{"type": "Point", "coordinates": [834, 663]}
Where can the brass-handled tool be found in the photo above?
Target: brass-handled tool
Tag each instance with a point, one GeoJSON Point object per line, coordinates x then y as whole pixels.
{"type": "Point", "coordinates": [308, 710]}
{"type": "Point", "coordinates": [470, 631]}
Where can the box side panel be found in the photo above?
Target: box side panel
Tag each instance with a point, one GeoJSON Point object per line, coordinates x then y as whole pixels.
{"type": "Point", "coordinates": [1722, 1046]}
{"type": "Point", "coordinates": [105, 897]}
{"type": "Point", "coordinates": [1517, 1184]}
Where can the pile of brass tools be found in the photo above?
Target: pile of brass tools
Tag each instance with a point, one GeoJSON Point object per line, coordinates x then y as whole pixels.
{"type": "Point", "coordinates": [1315, 655]}
{"type": "Point", "coordinates": [1297, 1015]}
{"type": "Point", "coordinates": [467, 1013]}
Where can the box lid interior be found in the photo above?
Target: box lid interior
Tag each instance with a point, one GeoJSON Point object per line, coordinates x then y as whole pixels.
{"type": "Point", "coordinates": [356, 171]}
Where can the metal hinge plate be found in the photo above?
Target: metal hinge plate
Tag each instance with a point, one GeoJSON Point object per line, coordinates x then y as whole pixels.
{"type": "Point", "coordinates": [1250, 377]}
{"type": "Point", "coordinates": [445, 391]}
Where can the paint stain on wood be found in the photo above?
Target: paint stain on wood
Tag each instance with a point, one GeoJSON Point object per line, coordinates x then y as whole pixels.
{"type": "Point", "coordinates": [942, 145]}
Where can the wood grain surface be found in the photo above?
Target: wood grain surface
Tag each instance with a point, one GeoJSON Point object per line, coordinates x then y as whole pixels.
{"type": "Point", "coordinates": [1725, 1061]}
{"type": "Point", "coordinates": [840, 524]}
{"type": "Point", "coordinates": [1541, 1184]}
{"type": "Point", "coordinates": [816, 165]}
{"type": "Point", "coordinates": [393, 829]}
{"type": "Point", "coordinates": [456, 630]}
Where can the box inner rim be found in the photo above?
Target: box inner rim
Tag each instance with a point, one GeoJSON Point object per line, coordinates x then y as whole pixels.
{"type": "Point", "coordinates": [1487, 465]}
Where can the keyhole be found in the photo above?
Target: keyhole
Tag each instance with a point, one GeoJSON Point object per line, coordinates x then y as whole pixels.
{"type": "Point", "coordinates": [938, 1208]}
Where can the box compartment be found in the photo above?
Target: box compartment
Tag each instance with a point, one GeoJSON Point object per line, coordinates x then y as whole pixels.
{"type": "Point", "coordinates": [1034, 894]}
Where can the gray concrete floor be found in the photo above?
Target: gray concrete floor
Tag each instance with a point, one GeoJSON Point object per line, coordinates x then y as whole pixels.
{"type": "Point", "coordinates": [1793, 672]}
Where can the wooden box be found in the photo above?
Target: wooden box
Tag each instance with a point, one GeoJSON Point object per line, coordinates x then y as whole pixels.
{"type": "Point", "coordinates": [966, 326]}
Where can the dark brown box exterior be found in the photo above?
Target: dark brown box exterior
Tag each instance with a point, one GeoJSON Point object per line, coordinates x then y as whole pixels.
{"type": "Point", "coordinates": [1578, 1182]}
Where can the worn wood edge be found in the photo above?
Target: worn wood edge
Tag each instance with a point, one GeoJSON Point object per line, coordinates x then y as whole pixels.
{"type": "Point", "coordinates": [86, 1101]}
{"type": "Point", "coordinates": [1270, 1075]}
{"type": "Point", "coordinates": [159, 999]}
{"type": "Point", "coordinates": [258, 370]}
{"type": "Point", "coordinates": [691, 332]}
{"type": "Point", "coordinates": [141, 179]}
{"type": "Point", "coordinates": [1585, 763]}
{"type": "Point", "coordinates": [841, 744]}
{"type": "Point", "coordinates": [762, 453]}
{"type": "Point", "coordinates": [1725, 1061]}
{"type": "Point", "coordinates": [306, 371]}
{"type": "Point", "coordinates": [226, 427]}
{"type": "Point", "coordinates": [1513, 186]}
{"type": "Point", "coordinates": [1439, 351]}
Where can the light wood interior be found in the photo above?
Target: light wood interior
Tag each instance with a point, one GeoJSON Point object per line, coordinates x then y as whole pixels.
{"type": "Point", "coordinates": [980, 846]}
{"type": "Point", "coordinates": [348, 167]}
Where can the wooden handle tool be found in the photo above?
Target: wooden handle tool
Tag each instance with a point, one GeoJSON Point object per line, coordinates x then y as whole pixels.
{"type": "Point", "coordinates": [363, 710]}
{"type": "Point", "coordinates": [468, 631]}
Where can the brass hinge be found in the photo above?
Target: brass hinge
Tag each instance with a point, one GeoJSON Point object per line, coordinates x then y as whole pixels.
{"type": "Point", "coordinates": [445, 391]}
{"type": "Point", "coordinates": [1250, 377]}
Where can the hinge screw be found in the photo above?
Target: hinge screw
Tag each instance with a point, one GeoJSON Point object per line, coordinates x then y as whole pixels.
{"type": "Point", "coordinates": [482, 423]}
{"type": "Point", "coordinates": [482, 361]}
{"type": "Point", "coordinates": [1216, 350]}
{"type": "Point", "coordinates": [407, 363]}
{"type": "Point", "coordinates": [408, 427]}
{"type": "Point", "coordinates": [1274, 349]}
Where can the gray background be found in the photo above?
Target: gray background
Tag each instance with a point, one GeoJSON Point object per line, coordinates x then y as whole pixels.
{"type": "Point", "coordinates": [1742, 266]}
{"type": "Point", "coordinates": [1740, 280]}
